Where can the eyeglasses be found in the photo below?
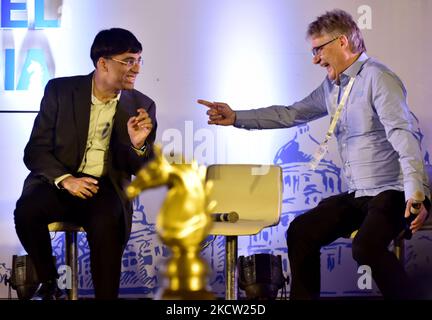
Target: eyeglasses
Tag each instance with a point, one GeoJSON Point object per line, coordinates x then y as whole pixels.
{"type": "Point", "coordinates": [318, 49]}
{"type": "Point", "coordinates": [130, 62]}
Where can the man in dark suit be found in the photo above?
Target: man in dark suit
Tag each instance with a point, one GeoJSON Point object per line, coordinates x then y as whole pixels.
{"type": "Point", "coordinates": [91, 134]}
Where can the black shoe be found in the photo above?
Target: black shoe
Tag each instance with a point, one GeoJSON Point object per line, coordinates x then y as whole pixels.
{"type": "Point", "coordinates": [49, 291]}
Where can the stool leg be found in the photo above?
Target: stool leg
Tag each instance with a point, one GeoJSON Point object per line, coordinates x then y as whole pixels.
{"type": "Point", "coordinates": [72, 261]}
{"type": "Point", "coordinates": [399, 249]}
{"type": "Point", "coordinates": [230, 267]}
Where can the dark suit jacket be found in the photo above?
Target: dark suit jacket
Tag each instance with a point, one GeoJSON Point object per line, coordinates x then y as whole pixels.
{"type": "Point", "coordinates": [58, 139]}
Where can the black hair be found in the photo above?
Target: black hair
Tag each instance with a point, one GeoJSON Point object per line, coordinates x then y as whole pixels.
{"type": "Point", "coordinates": [112, 42]}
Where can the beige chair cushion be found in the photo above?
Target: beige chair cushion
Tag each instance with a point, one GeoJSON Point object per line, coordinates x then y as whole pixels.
{"type": "Point", "coordinates": [253, 191]}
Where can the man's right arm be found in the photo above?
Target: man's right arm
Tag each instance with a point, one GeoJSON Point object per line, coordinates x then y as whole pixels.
{"type": "Point", "coordinates": [39, 151]}
{"type": "Point", "coordinates": [310, 108]}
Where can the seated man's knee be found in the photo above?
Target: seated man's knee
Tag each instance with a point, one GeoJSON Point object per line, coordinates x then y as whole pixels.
{"type": "Point", "coordinates": [23, 213]}
{"type": "Point", "coordinates": [33, 205]}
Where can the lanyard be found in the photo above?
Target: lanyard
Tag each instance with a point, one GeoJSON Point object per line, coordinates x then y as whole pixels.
{"type": "Point", "coordinates": [323, 147]}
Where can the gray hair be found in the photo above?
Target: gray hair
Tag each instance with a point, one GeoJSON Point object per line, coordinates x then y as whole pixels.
{"type": "Point", "coordinates": [338, 22]}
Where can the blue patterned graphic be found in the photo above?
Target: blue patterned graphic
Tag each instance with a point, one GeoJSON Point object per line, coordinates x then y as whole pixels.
{"type": "Point", "coordinates": [303, 189]}
{"type": "Point", "coordinates": [141, 259]}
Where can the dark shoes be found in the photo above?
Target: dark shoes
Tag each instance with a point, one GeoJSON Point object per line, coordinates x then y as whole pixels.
{"type": "Point", "coordinates": [49, 291]}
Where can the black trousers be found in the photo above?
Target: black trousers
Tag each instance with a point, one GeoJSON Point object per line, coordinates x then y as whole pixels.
{"type": "Point", "coordinates": [101, 216]}
{"type": "Point", "coordinates": [378, 219]}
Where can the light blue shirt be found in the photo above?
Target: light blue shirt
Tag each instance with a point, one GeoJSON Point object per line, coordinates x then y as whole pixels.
{"type": "Point", "coordinates": [376, 132]}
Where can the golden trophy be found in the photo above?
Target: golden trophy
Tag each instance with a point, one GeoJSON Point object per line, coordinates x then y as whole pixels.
{"type": "Point", "coordinates": [182, 223]}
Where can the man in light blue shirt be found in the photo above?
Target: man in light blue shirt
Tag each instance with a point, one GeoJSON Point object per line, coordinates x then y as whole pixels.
{"type": "Point", "coordinates": [380, 152]}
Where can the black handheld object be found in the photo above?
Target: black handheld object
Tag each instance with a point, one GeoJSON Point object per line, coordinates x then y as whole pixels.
{"type": "Point", "coordinates": [225, 217]}
{"type": "Point", "coordinates": [414, 211]}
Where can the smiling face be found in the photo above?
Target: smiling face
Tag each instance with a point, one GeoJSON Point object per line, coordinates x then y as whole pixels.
{"type": "Point", "coordinates": [336, 42]}
{"type": "Point", "coordinates": [329, 54]}
{"type": "Point", "coordinates": [121, 70]}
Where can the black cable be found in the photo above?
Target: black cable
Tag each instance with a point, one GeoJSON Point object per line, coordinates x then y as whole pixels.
{"type": "Point", "coordinates": [18, 111]}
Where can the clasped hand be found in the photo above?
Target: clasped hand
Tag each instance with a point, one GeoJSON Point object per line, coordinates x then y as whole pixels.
{"type": "Point", "coordinates": [84, 187]}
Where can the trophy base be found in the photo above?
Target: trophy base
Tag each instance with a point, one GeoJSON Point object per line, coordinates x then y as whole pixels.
{"type": "Point", "coordinates": [187, 295]}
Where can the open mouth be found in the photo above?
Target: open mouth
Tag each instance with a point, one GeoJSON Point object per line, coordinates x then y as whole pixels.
{"type": "Point", "coordinates": [130, 78]}
{"type": "Point", "coordinates": [327, 67]}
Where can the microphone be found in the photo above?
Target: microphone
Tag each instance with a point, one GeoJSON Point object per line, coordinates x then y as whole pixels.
{"type": "Point", "coordinates": [225, 217]}
{"type": "Point", "coordinates": [418, 199]}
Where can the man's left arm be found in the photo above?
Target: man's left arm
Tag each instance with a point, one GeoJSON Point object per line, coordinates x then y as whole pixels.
{"type": "Point", "coordinates": [136, 148]}
{"type": "Point", "coordinates": [390, 103]}
{"type": "Point", "coordinates": [139, 129]}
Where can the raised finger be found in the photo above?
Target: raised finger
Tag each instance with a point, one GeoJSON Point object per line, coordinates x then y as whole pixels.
{"type": "Point", "coordinates": [206, 103]}
{"type": "Point", "coordinates": [142, 111]}
{"type": "Point", "coordinates": [142, 115]}
{"type": "Point", "coordinates": [131, 121]}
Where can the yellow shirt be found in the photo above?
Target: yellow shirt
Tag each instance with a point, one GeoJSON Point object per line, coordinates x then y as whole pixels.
{"type": "Point", "coordinates": [101, 123]}
{"type": "Point", "coordinates": [100, 128]}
